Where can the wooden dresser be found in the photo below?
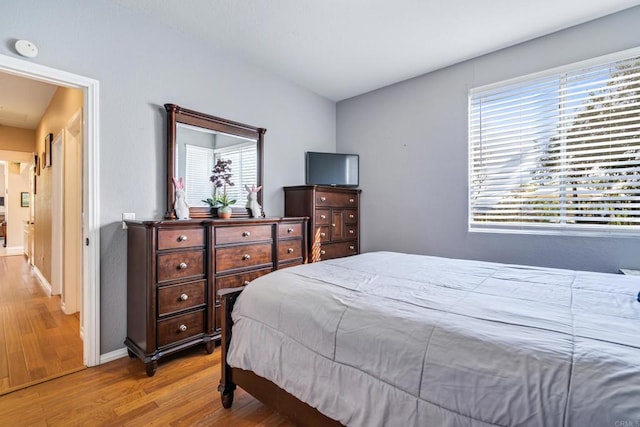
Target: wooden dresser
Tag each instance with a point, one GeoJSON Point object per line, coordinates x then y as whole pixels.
{"type": "Point", "coordinates": [175, 268]}
{"type": "Point", "coordinates": [334, 212]}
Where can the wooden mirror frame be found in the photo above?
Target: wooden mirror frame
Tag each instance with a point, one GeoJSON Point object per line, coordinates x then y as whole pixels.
{"type": "Point", "coordinates": [177, 114]}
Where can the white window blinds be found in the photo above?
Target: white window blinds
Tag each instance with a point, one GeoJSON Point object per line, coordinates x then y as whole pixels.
{"type": "Point", "coordinates": [560, 151]}
{"type": "Point", "coordinates": [245, 155]}
{"type": "Point", "coordinates": [199, 163]}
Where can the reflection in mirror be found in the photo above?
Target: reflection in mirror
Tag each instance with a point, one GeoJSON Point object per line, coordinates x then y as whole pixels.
{"type": "Point", "coordinates": [195, 142]}
{"type": "Point", "coordinates": [198, 150]}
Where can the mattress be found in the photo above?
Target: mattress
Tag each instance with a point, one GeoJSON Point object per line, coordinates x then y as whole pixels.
{"type": "Point", "coordinates": [407, 340]}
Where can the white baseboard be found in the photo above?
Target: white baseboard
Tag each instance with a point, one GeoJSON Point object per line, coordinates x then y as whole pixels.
{"type": "Point", "coordinates": [113, 355]}
{"type": "Point", "coordinates": [43, 282]}
{"type": "Point", "coordinates": [13, 250]}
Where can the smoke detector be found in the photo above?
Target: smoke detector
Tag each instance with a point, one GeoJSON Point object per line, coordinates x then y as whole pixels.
{"type": "Point", "coordinates": [26, 48]}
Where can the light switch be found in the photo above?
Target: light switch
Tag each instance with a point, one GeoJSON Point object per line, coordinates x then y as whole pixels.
{"type": "Point", "coordinates": [126, 216]}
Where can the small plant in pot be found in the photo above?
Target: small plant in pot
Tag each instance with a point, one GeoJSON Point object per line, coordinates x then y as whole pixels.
{"type": "Point", "coordinates": [221, 178]}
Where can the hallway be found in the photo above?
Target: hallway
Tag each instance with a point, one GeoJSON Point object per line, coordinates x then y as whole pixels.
{"type": "Point", "coordinates": [37, 340]}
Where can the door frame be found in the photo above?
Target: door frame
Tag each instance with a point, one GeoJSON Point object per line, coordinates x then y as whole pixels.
{"type": "Point", "coordinates": [90, 190]}
{"type": "Point", "coordinates": [57, 213]}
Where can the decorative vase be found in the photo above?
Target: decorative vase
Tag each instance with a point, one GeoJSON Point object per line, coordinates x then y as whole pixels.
{"type": "Point", "coordinates": [224, 212]}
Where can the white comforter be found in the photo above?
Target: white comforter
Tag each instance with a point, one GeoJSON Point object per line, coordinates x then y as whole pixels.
{"type": "Point", "coordinates": [389, 339]}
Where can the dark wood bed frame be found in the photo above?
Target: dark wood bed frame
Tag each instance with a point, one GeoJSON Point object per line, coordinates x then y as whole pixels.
{"type": "Point", "coordinates": [264, 390]}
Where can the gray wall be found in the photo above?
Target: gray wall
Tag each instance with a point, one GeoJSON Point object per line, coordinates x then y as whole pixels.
{"type": "Point", "coordinates": [412, 141]}
{"type": "Point", "coordinates": [142, 65]}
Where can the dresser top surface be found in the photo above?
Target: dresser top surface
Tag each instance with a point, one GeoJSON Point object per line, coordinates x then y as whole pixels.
{"type": "Point", "coordinates": [323, 188]}
{"type": "Point", "coordinates": [210, 221]}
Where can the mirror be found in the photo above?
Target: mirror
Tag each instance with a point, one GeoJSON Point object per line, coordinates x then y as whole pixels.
{"type": "Point", "coordinates": [195, 142]}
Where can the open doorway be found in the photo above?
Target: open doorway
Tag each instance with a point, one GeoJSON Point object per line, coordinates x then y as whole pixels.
{"type": "Point", "coordinates": [44, 212]}
{"type": "Point", "coordinates": [3, 208]}
{"type": "Point", "coordinates": [86, 135]}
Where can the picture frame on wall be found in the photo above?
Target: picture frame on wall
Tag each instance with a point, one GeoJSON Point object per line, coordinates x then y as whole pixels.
{"type": "Point", "coordinates": [36, 164]}
{"type": "Point", "coordinates": [46, 157]}
{"type": "Point", "coordinates": [24, 199]}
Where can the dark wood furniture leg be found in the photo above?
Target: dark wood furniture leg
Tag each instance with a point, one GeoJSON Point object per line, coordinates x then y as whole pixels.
{"type": "Point", "coordinates": [150, 367]}
{"type": "Point", "coordinates": [226, 387]}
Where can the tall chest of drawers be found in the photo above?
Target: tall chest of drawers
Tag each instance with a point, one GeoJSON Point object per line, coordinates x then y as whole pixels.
{"type": "Point", "coordinates": [334, 212]}
{"type": "Point", "coordinates": [175, 268]}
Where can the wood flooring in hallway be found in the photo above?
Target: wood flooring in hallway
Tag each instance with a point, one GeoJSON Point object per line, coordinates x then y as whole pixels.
{"type": "Point", "coordinates": [37, 340]}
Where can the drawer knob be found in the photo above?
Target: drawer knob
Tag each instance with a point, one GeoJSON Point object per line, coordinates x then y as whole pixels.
{"type": "Point", "coordinates": [182, 238]}
{"type": "Point", "coordinates": [323, 217]}
{"type": "Point", "coordinates": [182, 328]}
{"type": "Point", "coordinates": [333, 225]}
{"type": "Point", "coordinates": [351, 247]}
{"type": "Point", "coordinates": [351, 216]}
{"type": "Point", "coordinates": [245, 283]}
{"type": "Point", "coordinates": [289, 230]}
{"type": "Point", "coordinates": [184, 297]}
{"type": "Point", "coordinates": [352, 200]}
{"type": "Point", "coordinates": [323, 199]}
{"type": "Point", "coordinates": [290, 250]}
{"type": "Point", "coordinates": [322, 252]}
{"type": "Point", "coordinates": [182, 266]}
{"type": "Point", "coordinates": [323, 234]}
{"type": "Point", "coordinates": [246, 257]}
{"type": "Point", "coordinates": [246, 234]}
{"type": "Point", "coordinates": [350, 231]}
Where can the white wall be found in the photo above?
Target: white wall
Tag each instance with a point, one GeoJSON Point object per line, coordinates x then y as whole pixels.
{"type": "Point", "coordinates": [142, 65]}
{"type": "Point", "coordinates": [412, 141]}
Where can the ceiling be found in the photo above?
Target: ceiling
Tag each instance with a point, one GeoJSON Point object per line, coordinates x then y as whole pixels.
{"type": "Point", "coordinates": [23, 101]}
{"type": "Point", "coordinates": [343, 48]}
{"type": "Point", "coordinates": [339, 48]}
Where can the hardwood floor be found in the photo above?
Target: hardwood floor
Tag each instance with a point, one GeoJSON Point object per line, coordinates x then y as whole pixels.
{"type": "Point", "coordinates": [37, 340]}
{"type": "Point", "coordinates": [183, 392]}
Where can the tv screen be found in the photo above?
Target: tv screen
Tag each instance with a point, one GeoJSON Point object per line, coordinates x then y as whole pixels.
{"type": "Point", "coordinates": [332, 169]}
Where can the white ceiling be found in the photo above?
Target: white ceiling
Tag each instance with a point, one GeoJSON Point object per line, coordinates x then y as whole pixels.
{"type": "Point", "coordinates": [342, 48]}
{"type": "Point", "coordinates": [23, 101]}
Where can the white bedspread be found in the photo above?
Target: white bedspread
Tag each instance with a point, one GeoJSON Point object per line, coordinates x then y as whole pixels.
{"type": "Point", "coordinates": [389, 339]}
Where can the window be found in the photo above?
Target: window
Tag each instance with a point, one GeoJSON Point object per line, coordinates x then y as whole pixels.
{"type": "Point", "coordinates": [199, 163]}
{"type": "Point", "coordinates": [245, 155]}
{"type": "Point", "coordinates": [558, 151]}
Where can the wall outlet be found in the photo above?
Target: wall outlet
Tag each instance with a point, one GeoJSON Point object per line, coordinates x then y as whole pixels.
{"type": "Point", "coordinates": [125, 216]}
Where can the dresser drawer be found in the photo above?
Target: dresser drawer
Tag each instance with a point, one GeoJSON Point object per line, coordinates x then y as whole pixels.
{"type": "Point", "coordinates": [243, 256]}
{"type": "Point", "coordinates": [289, 250]}
{"type": "Point", "coordinates": [237, 280]}
{"type": "Point", "coordinates": [290, 264]}
{"type": "Point", "coordinates": [180, 328]}
{"type": "Point", "coordinates": [336, 199]}
{"type": "Point", "coordinates": [351, 216]}
{"type": "Point", "coordinates": [180, 238]}
{"type": "Point", "coordinates": [172, 299]}
{"type": "Point", "coordinates": [180, 265]}
{"type": "Point", "coordinates": [323, 216]}
{"type": "Point", "coordinates": [337, 250]}
{"type": "Point", "coordinates": [242, 234]}
{"type": "Point", "coordinates": [290, 230]}
{"type": "Point", "coordinates": [322, 234]}
{"type": "Point", "coordinates": [351, 231]}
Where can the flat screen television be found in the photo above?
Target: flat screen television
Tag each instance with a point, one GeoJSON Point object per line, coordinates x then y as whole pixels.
{"type": "Point", "coordinates": [334, 169]}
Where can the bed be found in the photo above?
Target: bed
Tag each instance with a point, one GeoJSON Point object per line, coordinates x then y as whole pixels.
{"type": "Point", "coordinates": [396, 339]}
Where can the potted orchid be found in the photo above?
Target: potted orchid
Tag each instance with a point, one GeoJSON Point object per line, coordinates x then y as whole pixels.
{"type": "Point", "coordinates": [221, 177]}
